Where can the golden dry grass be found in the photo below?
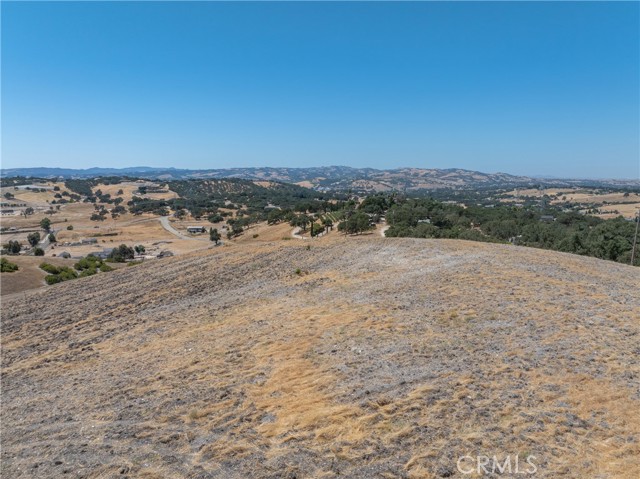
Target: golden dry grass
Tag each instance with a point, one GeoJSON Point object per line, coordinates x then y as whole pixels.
{"type": "Point", "coordinates": [29, 275]}
{"type": "Point", "coordinates": [383, 358]}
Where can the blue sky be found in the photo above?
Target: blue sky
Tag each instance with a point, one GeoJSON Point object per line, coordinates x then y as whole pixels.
{"type": "Point", "coordinates": [539, 88]}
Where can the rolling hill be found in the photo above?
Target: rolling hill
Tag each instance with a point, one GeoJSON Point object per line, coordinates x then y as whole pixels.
{"type": "Point", "coordinates": [359, 357]}
{"type": "Point", "coordinates": [332, 177]}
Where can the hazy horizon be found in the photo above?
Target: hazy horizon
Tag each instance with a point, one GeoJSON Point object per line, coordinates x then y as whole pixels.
{"type": "Point", "coordinates": [533, 176]}
{"type": "Point", "coordinates": [533, 89]}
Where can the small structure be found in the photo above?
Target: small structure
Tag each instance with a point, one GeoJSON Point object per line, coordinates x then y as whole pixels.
{"type": "Point", "coordinates": [89, 241]}
{"type": "Point", "coordinates": [104, 254]}
{"type": "Point", "coordinates": [196, 229]}
{"type": "Point", "coordinates": [547, 218]}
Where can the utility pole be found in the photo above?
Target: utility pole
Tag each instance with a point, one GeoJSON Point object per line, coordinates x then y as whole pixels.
{"type": "Point", "coordinates": [635, 238]}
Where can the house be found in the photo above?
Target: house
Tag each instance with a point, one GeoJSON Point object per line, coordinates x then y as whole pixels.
{"type": "Point", "coordinates": [104, 254]}
{"type": "Point", "coordinates": [196, 229]}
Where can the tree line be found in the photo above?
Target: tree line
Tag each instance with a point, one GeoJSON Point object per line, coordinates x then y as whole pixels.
{"type": "Point", "coordinates": [549, 228]}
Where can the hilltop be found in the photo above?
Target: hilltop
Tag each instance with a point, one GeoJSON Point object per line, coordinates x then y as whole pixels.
{"type": "Point", "coordinates": [358, 357]}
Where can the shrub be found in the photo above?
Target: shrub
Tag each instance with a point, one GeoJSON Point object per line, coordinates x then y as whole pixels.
{"type": "Point", "coordinates": [70, 227]}
{"type": "Point", "coordinates": [58, 274]}
{"type": "Point", "coordinates": [38, 251]}
{"type": "Point", "coordinates": [104, 267]}
{"type": "Point", "coordinates": [88, 272]}
{"type": "Point", "coordinates": [49, 268]}
{"type": "Point", "coordinates": [67, 273]}
{"type": "Point", "coordinates": [88, 262]}
{"type": "Point", "coordinates": [7, 267]}
{"type": "Point", "coordinates": [52, 278]}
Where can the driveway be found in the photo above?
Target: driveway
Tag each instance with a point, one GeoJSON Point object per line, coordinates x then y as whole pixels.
{"type": "Point", "coordinates": [164, 221]}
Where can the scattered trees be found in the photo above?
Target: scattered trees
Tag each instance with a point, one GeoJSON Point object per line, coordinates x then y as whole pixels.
{"type": "Point", "coordinates": [356, 223]}
{"type": "Point", "coordinates": [571, 232]}
{"type": "Point", "coordinates": [90, 265]}
{"type": "Point", "coordinates": [300, 221]}
{"type": "Point", "coordinates": [13, 247]}
{"type": "Point", "coordinates": [121, 254]}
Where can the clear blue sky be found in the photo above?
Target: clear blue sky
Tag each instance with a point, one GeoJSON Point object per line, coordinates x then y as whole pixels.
{"type": "Point", "coordinates": [528, 88]}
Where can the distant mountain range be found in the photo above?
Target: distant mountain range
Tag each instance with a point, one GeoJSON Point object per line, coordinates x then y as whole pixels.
{"type": "Point", "coordinates": [331, 177]}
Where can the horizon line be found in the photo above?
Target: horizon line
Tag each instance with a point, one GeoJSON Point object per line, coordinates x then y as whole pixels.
{"type": "Point", "coordinates": [160, 168]}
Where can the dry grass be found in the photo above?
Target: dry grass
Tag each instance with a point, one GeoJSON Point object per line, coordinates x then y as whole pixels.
{"type": "Point", "coordinates": [129, 189]}
{"type": "Point", "coordinates": [29, 275]}
{"type": "Point", "coordinates": [387, 358]}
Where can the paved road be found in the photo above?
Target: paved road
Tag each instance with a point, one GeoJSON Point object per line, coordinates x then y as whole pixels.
{"type": "Point", "coordinates": [44, 243]}
{"type": "Point", "coordinates": [164, 221]}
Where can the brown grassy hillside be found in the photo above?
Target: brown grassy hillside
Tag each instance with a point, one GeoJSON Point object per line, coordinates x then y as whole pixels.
{"type": "Point", "coordinates": [358, 357]}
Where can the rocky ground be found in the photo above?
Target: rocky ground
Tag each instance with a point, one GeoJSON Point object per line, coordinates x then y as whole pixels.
{"type": "Point", "coordinates": [356, 357]}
